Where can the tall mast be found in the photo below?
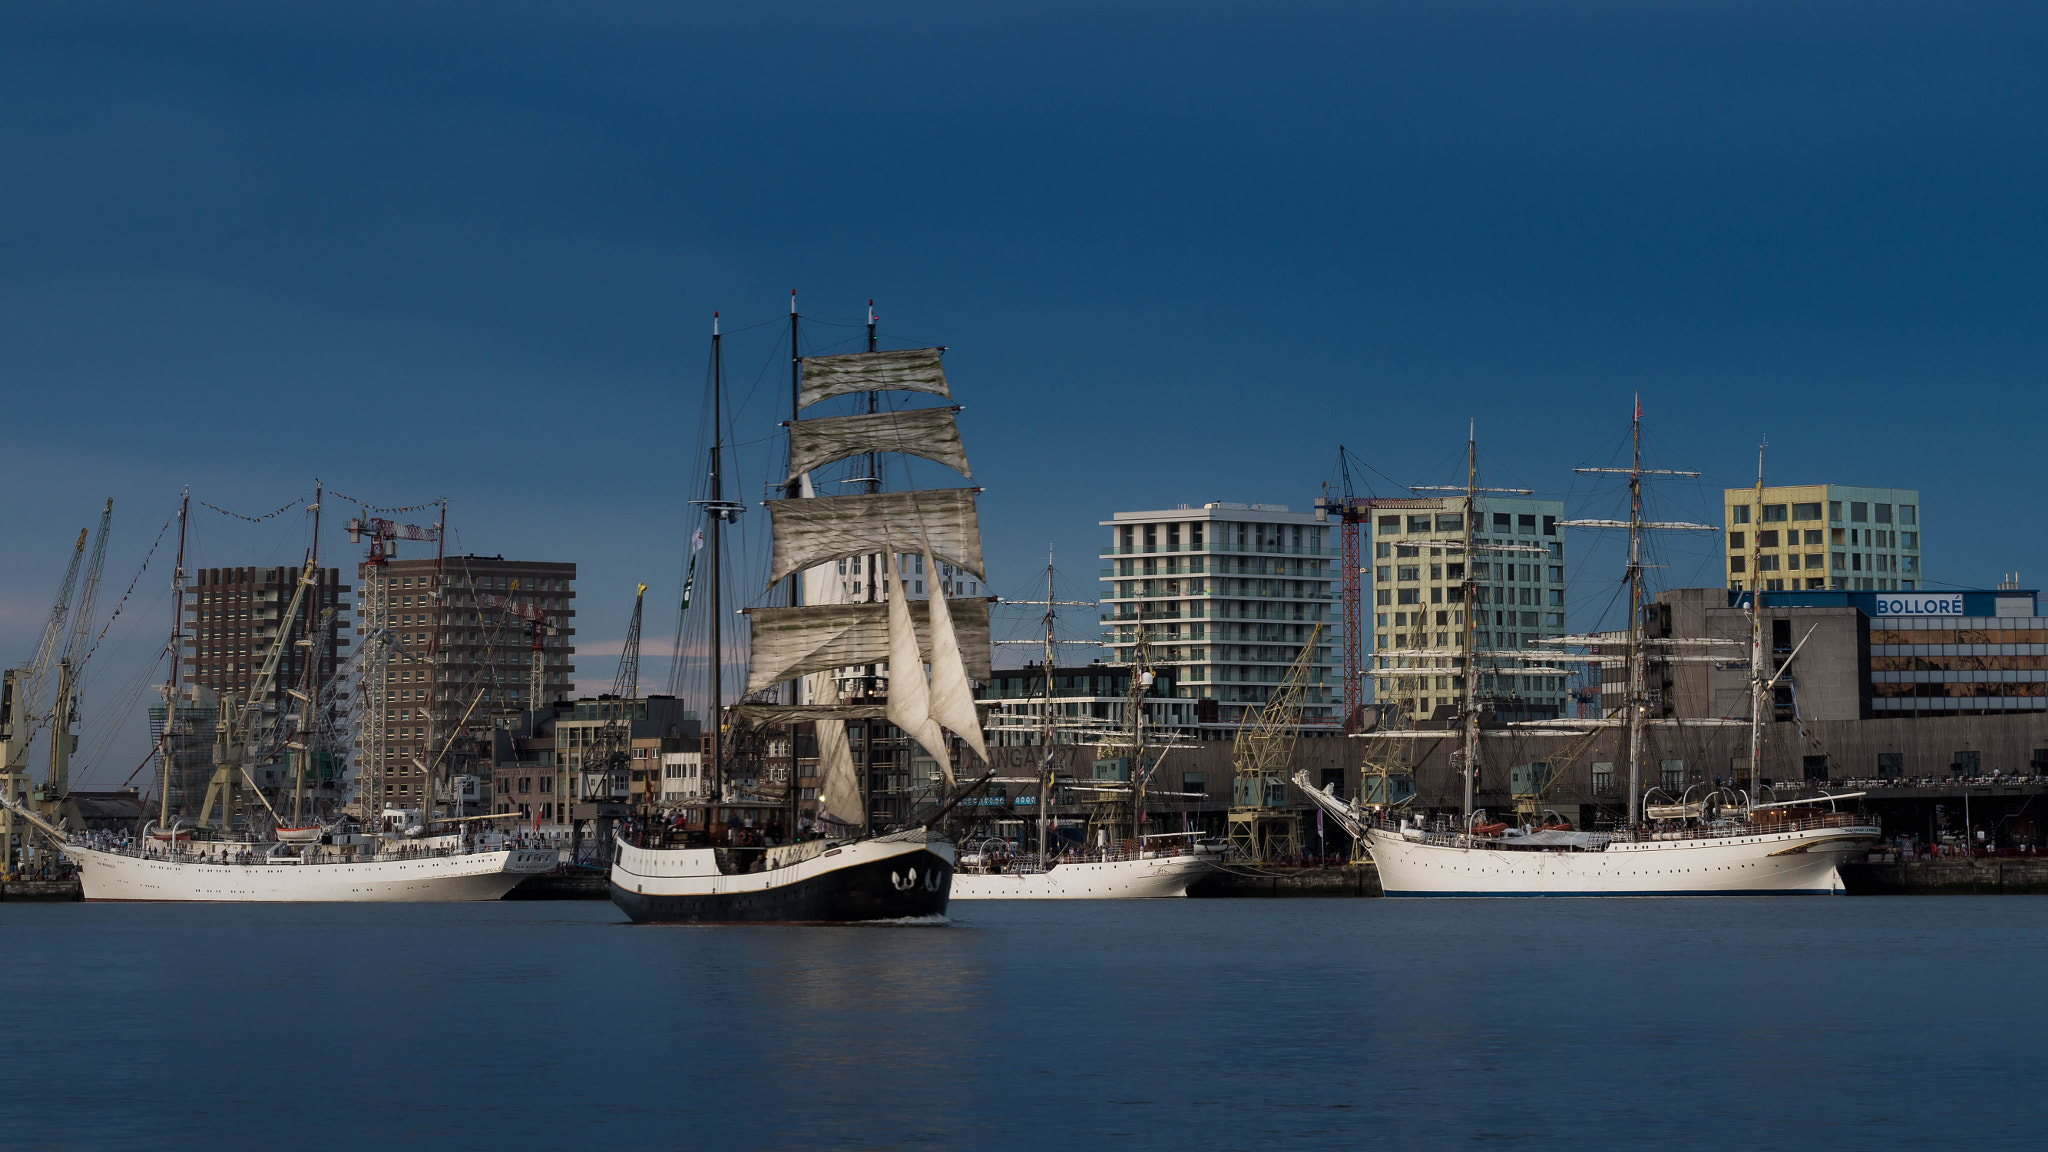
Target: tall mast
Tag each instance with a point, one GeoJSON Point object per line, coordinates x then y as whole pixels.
{"type": "Point", "coordinates": [177, 663]}
{"type": "Point", "coordinates": [1046, 728]}
{"type": "Point", "coordinates": [867, 727]}
{"type": "Point", "coordinates": [1471, 708]}
{"type": "Point", "coordinates": [433, 674]}
{"type": "Point", "coordinates": [310, 676]}
{"type": "Point", "coordinates": [1756, 633]}
{"type": "Point", "coordinates": [717, 531]}
{"type": "Point", "coordinates": [795, 489]}
{"type": "Point", "coordinates": [1636, 694]}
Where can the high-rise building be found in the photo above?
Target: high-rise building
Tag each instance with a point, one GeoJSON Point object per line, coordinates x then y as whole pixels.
{"type": "Point", "coordinates": [461, 658]}
{"type": "Point", "coordinates": [233, 617]}
{"type": "Point", "coordinates": [1824, 536]}
{"type": "Point", "coordinates": [1415, 590]}
{"type": "Point", "coordinates": [1228, 595]}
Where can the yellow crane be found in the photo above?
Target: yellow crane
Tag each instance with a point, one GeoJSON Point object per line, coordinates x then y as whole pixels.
{"type": "Point", "coordinates": [1262, 826]}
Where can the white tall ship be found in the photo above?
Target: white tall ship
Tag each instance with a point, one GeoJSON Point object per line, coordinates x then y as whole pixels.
{"type": "Point", "coordinates": [1140, 868]}
{"type": "Point", "coordinates": [1721, 844]}
{"type": "Point", "coordinates": [399, 856]}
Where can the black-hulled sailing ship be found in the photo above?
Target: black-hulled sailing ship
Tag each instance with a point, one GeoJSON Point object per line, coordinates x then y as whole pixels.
{"type": "Point", "coordinates": [736, 858]}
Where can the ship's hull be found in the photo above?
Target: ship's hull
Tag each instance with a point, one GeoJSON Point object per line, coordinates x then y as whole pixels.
{"type": "Point", "coordinates": [1151, 878]}
{"type": "Point", "coordinates": [867, 880]}
{"type": "Point", "coordinates": [428, 879]}
{"type": "Point", "coordinates": [1789, 863]}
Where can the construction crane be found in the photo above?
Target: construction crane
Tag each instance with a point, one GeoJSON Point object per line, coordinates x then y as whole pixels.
{"type": "Point", "coordinates": [70, 667]}
{"type": "Point", "coordinates": [21, 689]}
{"type": "Point", "coordinates": [1261, 825]}
{"type": "Point", "coordinates": [538, 629]}
{"type": "Point", "coordinates": [1351, 511]}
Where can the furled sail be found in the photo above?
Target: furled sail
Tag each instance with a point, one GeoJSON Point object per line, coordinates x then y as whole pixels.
{"type": "Point", "coordinates": [908, 370]}
{"type": "Point", "coordinates": [790, 642]}
{"type": "Point", "coordinates": [811, 532]}
{"type": "Point", "coordinates": [770, 715]}
{"type": "Point", "coordinates": [932, 433]}
{"type": "Point", "coordinates": [952, 695]}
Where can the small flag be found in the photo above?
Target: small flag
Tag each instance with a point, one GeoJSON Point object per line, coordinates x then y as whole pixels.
{"type": "Point", "coordinates": [696, 542]}
{"type": "Point", "coordinates": [690, 579]}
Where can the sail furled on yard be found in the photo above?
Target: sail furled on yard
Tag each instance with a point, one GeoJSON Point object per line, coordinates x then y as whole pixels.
{"type": "Point", "coordinates": [952, 694]}
{"type": "Point", "coordinates": [790, 642]}
{"type": "Point", "coordinates": [909, 691]}
{"type": "Point", "coordinates": [812, 532]}
{"type": "Point", "coordinates": [906, 370]}
{"type": "Point", "coordinates": [932, 433]}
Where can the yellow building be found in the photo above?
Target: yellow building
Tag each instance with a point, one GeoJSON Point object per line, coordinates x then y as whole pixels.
{"type": "Point", "coordinates": [1823, 536]}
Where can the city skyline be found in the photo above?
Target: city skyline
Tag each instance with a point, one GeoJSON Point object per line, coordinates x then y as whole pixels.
{"type": "Point", "coordinates": [433, 255]}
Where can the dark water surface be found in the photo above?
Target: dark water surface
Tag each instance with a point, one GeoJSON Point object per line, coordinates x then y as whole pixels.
{"type": "Point", "coordinates": [1761, 1023]}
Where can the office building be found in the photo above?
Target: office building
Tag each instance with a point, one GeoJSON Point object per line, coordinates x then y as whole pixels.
{"type": "Point", "coordinates": [1823, 537]}
{"type": "Point", "coordinates": [1228, 596]}
{"type": "Point", "coordinates": [1415, 591]}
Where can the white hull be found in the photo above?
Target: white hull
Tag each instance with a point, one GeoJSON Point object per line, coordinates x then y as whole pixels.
{"type": "Point", "coordinates": [1800, 862]}
{"type": "Point", "coordinates": [429, 879]}
{"type": "Point", "coordinates": [1150, 878]}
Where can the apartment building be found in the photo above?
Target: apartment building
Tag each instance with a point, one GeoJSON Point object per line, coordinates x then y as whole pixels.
{"type": "Point", "coordinates": [1415, 589]}
{"type": "Point", "coordinates": [1830, 537]}
{"type": "Point", "coordinates": [1228, 595]}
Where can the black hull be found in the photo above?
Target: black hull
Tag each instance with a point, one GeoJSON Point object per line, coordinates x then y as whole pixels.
{"type": "Point", "coordinates": [870, 891]}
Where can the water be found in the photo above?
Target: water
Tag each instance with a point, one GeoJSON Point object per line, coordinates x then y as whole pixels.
{"type": "Point", "coordinates": [1761, 1023]}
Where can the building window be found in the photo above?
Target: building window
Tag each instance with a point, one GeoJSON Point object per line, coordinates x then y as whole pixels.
{"type": "Point", "coordinates": [1891, 765]}
{"type": "Point", "coordinates": [1737, 563]}
{"type": "Point", "coordinates": [1525, 524]}
{"type": "Point", "coordinates": [1767, 539]}
{"type": "Point", "coordinates": [1906, 513]}
{"type": "Point", "coordinates": [1737, 540]}
{"type": "Point", "coordinates": [1411, 571]}
{"type": "Point", "coordinates": [1841, 562]}
{"type": "Point", "coordinates": [1806, 511]}
{"type": "Point", "coordinates": [1774, 513]}
{"type": "Point", "coordinates": [1454, 522]}
{"type": "Point", "coordinates": [1859, 512]}
{"type": "Point", "coordinates": [1738, 514]}
{"type": "Point", "coordinates": [1550, 525]}
{"type": "Point", "coordinates": [1884, 513]}
{"type": "Point", "coordinates": [1418, 524]}
{"type": "Point", "coordinates": [1502, 522]}
{"type": "Point", "coordinates": [1834, 511]}
{"type": "Point", "coordinates": [1671, 774]}
{"type": "Point", "coordinates": [1603, 778]}
{"type": "Point", "coordinates": [1390, 524]}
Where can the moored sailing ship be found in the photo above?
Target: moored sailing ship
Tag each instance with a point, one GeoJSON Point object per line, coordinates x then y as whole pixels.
{"type": "Point", "coordinates": [1721, 843]}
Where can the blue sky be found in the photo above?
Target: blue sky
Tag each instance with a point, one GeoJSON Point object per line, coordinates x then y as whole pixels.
{"type": "Point", "coordinates": [1178, 252]}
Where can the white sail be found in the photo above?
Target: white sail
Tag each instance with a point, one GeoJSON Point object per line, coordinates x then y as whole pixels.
{"type": "Point", "coordinates": [815, 531]}
{"type": "Point", "coordinates": [792, 642]}
{"type": "Point", "coordinates": [932, 433]}
{"type": "Point", "coordinates": [909, 692]}
{"type": "Point", "coordinates": [952, 695]}
{"type": "Point", "coordinates": [839, 799]}
{"type": "Point", "coordinates": [906, 370]}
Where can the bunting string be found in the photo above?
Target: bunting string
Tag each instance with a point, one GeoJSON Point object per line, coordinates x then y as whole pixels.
{"type": "Point", "coordinates": [255, 519]}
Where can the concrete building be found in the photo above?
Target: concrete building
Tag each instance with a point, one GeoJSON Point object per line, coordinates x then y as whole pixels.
{"type": "Point", "coordinates": [1414, 589]}
{"type": "Point", "coordinates": [1823, 536]}
{"type": "Point", "coordinates": [1228, 595]}
{"type": "Point", "coordinates": [459, 661]}
{"type": "Point", "coordinates": [233, 616]}
{"type": "Point", "coordinates": [545, 773]}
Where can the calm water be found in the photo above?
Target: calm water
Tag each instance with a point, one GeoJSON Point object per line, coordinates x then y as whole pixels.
{"type": "Point", "coordinates": [1186, 1024]}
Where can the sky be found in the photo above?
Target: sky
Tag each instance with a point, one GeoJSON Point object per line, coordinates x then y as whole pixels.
{"type": "Point", "coordinates": [1177, 252]}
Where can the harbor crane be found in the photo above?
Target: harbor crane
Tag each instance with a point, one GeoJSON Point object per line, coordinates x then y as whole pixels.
{"type": "Point", "coordinates": [21, 689]}
{"type": "Point", "coordinates": [1261, 825]}
{"type": "Point", "coordinates": [70, 667]}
